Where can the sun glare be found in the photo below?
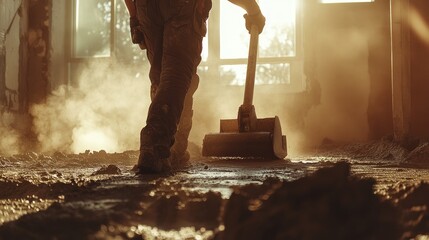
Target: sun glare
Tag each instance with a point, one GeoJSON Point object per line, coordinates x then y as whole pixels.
{"type": "Point", "coordinates": [278, 40]}
{"type": "Point", "coordinates": [279, 11]}
{"type": "Point", "coordinates": [345, 1]}
{"type": "Point", "coordinates": [280, 15]}
{"type": "Point", "coordinates": [418, 25]}
{"type": "Point", "coordinates": [94, 139]}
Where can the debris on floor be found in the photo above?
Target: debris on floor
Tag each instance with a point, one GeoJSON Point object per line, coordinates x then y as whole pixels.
{"type": "Point", "coordinates": [330, 204]}
{"type": "Point", "coordinates": [353, 192]}
{"type": "Point", "coordinates": [110, 169]}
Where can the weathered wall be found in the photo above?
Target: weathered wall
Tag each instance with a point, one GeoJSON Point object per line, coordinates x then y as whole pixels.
{"type": "Point", "coordinates": [348, 69]}
{"type": "Point", "coordinates": [13, 124]}
{"type": "Point", "coordinates": [24, 53]}
{"type": "Point", "coordinates": [60, 44]}
{"type": "Point", "coordinates": [334, 60]}
{"type": "Point", "coordinates": [419, 69]}
{"type": "Point", "coordinates": [24, 64]}
{"type": "Point", "coordinates": [38, 85]}
{"type": "Point", "coordinates": [9, 53]}
{"type": "Point", "coordinates": [379, 66]}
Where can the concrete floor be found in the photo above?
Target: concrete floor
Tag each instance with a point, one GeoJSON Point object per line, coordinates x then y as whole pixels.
{"type": "Point", "coordinates": [79, 196]}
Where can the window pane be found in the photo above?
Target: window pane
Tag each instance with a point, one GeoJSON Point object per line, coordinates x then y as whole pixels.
{"type": "Point", "coordinates": [124, 48]}
{"type": "Point", "coordinates": [278, 38]}
{"type": "Point", "coordinates": [344, 1]}
{"type": "Point", "coordinates": [234, 38]}
{"type": "Point", "coordinates": [265, 74]}
{"type": "Point", "coordinates": [92, 28]}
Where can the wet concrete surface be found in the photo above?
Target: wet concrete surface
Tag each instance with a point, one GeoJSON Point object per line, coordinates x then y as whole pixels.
{"type": "Point", "coordinates": [369, 191]}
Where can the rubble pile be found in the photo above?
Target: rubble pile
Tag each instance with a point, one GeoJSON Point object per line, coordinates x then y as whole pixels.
{"type": "Point", "coordinates": [24, 188]}
{"type": "Point", "coordinates": [419, 156]}
{"type": "Point", "coordinates": [410, 152]}
{"type": "Point", "coordinates": [414, 204]}
{"type": "Point", "coordinates": [95, 199]}
{"type": "Point", "coordinates": [109, 170]}
{"type": "Point", "coordinates": [330, 204]}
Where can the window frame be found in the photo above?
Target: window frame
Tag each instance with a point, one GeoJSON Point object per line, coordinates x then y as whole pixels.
{"type": "Point", "coordinates": [73, 56]}
{"type": "Point", "coordinates": [214, 60]}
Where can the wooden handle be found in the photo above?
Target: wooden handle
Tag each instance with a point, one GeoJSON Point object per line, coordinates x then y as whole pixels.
{"type": "Point", "coordinates": [251, 66]}
{"type": "Point", "coordinates": [131, 7]}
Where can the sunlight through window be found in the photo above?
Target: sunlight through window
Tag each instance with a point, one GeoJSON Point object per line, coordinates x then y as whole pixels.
{"type": "Point", "coordinates": [345, 1]}
{"type": "Point", "coordinates": [92, 28]}
{"type": "Point", "coordinates": [101, 29]}
{"type": "Point", "coordinates": [278, 40]}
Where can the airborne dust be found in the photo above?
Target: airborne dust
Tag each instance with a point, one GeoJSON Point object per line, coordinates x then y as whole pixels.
{"type": "Point", "coordinates": [74, 189]}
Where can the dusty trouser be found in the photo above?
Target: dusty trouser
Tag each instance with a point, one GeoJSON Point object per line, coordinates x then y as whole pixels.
{"type": "Point", "coordinates": [173, 35]}
{"type": "Point", "coordinates": [179, 153]}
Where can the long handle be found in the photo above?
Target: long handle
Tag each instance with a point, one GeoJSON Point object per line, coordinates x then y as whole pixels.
{"type": "Point", "coordinates": [131, 7]}
{"type": "Point", "coordinates": [251, 66]}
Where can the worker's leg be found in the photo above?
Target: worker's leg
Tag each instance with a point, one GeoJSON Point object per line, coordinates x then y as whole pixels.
{"type": "Point", "coordinates": [179, 154]}
{"type": "Point", "coordinates": [153, 142]}
{"type": "Point", "coordinates": [181, 55]}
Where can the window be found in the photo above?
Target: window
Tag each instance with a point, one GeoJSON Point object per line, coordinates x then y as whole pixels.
{"type": "Point", "coordinates": [100, 32]}
{"type": "Point", "coordinates": [92, 29]}
{"type": "Point", "coordinates": [345, 1]}
{"type": "Point", "coordinates": [100, 29]}
{"type": "Point", "coordinates": [280, 46]}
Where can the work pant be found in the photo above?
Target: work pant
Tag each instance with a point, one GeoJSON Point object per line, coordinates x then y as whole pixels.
{"type": "Point", "coordinates": [173, 37]}
{"type": "Point", "coordinates": [185, 123]}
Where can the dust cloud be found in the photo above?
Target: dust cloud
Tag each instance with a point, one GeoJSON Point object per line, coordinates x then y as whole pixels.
{"type": "Point", "coordinates": [10, 138]}
{"type": "Point", "coordinates": [108, 109]}
{"type": "Point", "coordinates": [339, 115]}
{"type": "Point", "coordinates": [105, 112]}
{"type": "Point", "coordinates": [214, 101]}
{"type": "Point", "coordinates": [343, 75]}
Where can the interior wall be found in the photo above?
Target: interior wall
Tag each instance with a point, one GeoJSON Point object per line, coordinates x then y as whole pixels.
{"type": "Point", "coordinates": [14, 120]}
{"type": "Point", "coordinates": [39, 31]}
{"type": "Point", "coordinates": [347, 66]}
{"type": "Point", "coordinates": [59, 44]}
{"type": "Point", "coordinates": [9, 54]}
{"type": "Point", "coordinates": [12, 66]}
{"type": "Point", "coordinates": [379, 64]}
{"type": "Point", "coordinates": [348, 69]}
{"type": "Point", "coordinates": [419, 20]}
{"type": "Point", "coordinates": [24, 53]}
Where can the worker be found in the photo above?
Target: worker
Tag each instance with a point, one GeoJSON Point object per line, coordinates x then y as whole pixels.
{"type": "Point", "coordinates": [172, 31]}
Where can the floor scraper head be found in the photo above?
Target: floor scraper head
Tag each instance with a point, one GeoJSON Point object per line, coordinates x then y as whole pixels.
{"type": "Point", "coordinates": [265, 141]}
{"type": "Point", "coordinates": [247, 136]}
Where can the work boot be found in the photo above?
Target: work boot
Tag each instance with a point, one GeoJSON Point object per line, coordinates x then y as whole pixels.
{"type": "Point", "coordinates": [179, 159]}
{"type": "Point", "coordinates": [154, 157]}
{"type": "Point", "coordinates": [179, 154]}
{"type": "Point", "coordinates": [150, 163]}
